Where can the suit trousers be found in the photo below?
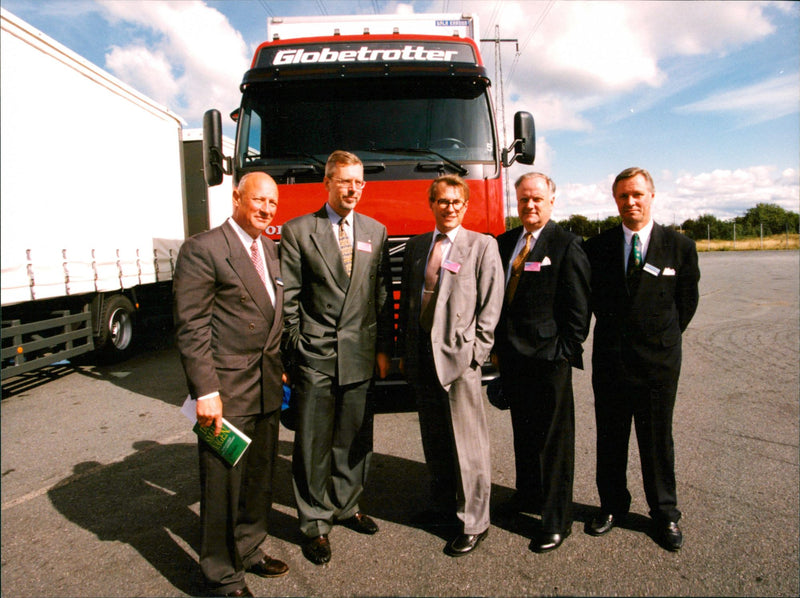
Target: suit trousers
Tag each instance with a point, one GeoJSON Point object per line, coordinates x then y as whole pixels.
{"type": "Point", "coordinates": [543, 421]}
{"type": "Point", "coordinates": [455, 440]}
{"type": "Point", "coordinates": [618, 399]}
{"type": "Point", "coordinates": [332, 449]}
{"type": "Point", "coordinates": [235, 503]}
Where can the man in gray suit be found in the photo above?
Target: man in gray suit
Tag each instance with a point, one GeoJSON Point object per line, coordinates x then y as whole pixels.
{"type": "Point", "coordinates": [338, 331]}
{"type": "Point", "coordinates": [451, 298]}
{"type": "Point", "coordinates": [228, 305]}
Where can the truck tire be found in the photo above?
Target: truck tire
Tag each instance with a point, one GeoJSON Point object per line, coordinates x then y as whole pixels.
{"type": "Point", "coordinates": [115, 335]}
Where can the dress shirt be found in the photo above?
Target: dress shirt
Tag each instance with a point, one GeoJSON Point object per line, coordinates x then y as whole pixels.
{"type": "Point", "coordinates": [644, 239]}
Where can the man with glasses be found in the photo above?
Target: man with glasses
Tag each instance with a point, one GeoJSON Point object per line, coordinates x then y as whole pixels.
{"type": "Point", "coordinates": [337, 333]}
{"type": "Point", "coordinates": [452, 294]}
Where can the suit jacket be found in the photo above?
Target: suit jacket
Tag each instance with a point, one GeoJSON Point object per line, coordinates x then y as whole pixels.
{"type": "Point", "coordinates": [228, 331]}
{"type": "Point", "coordinates": [549, 316]}
{"type": "Point", "coordinates": [643, 324]}
{"type": "Point", "coordinates": [467, 306]}
{"type": "Point", "coordinates": [334, 323]}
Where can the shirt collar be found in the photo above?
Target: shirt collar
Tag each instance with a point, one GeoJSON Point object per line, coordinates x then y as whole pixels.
{"type": "Point", "coordinates": [450, 235]}
{"type": "Point", "coordinates": [644, 234]}
{"type": "Point", "coordinates": [535, 234]}
{"type": "Point", "coordinates": [243, 234]}
{"type": "Point", "coordinates": [335, 218]}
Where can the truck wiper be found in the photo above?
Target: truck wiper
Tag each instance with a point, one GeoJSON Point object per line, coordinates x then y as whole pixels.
{"type": "Point", "coordinates": [311, 157]}
{"type": "Point", "coordinates": [419, 150]}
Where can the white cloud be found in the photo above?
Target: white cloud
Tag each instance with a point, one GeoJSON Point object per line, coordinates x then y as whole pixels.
{"type": "Point", "coordinates": [196, 63]}
{"type": "Point", "coordinates": [586, 54]}
{"type": "Point", "coordinates": [759, 102]}
{"type": "Point", "coordinates": [146, 71]}
{"type": "Point", "coordinates": [729, 193]}
{"type": "Point", "coordinates": [723, 193]}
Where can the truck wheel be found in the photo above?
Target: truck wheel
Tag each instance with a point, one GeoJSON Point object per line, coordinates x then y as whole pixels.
{"type": "Point", "coordinates": [116, 328]}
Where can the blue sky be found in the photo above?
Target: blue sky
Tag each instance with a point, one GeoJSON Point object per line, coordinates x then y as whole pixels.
{"type": "Point", "coordinates": [705, 95]}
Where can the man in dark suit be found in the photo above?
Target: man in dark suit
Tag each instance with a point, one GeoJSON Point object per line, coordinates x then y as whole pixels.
{"type": "Point", "coordinates": [228, 312]}
{"type": "Point", "coordinates": [538, 342]}
{"type": "Point", "coordinates": [644, 293]}
{"type": "Point", "coordinates": [451, 297]}
{"type": "Point", "coordinates": [338, 331]}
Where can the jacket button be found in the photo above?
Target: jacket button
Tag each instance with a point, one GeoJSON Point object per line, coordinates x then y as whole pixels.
{"type": "Point", "coordinates": [243, 298]}
{"type": "Point", "coordinates": [252, 326]}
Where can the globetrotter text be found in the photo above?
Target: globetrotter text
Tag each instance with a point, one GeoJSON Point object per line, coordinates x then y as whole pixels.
{"type": "Point", "coordinates": [364, 54]}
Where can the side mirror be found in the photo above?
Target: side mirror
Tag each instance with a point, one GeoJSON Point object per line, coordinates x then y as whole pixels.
{"type": "Point", "coordinates": [213, 159]}
{"type": "Point", "coordinates": [524, 146]}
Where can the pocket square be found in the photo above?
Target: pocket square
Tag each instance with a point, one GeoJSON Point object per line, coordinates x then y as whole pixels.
{"type": "Point", "coordinates": [668, 272]}
{"type": "Point", "coordinates": [546, 261]}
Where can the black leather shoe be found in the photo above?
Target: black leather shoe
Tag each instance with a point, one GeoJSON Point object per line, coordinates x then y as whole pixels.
{"type": "Point", "coordinates": [245, 591]}
{"type": "Point", "coordinates": [601, 524]}
{"type": "Point", "coordinates": [465, 543]}
{"type": "Point", "coordinates": [671, 535]}
{"type": "Point", "coordinates": [269, 567]}
{"type": "Point", "coordinates": [546, 542]}
{"type": "Point", "coordinates": [361, 523]}
{"type": "Point", "coordinates": [317, 550]}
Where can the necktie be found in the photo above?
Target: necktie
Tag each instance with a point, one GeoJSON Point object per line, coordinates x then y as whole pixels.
{"type": "Point", "coordinates": [635, 257]}
{"type": "Point", "coordinates": [431, 289]}
{"type": "Point", "coordinates": [255, 257]}
{"type": "Point", "coordinates": [346, 247]}
{"type": "Point", "coordinates": [516, 268]}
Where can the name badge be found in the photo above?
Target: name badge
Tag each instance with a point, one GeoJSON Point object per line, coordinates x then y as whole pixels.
{"type": "Point", "coordinates": [533, 266]}
{"type": "Point", "coordinates": [451, 266]}
{"type": "Point", "coordinates": [652, 270]}
{"type": "Point", "coordinates": [364, 246]}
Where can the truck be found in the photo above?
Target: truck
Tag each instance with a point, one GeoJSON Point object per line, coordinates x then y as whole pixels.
{"type": "Point", "coordinates": [408, 94]}
{"type": "Point", "coordinates": [94, 204]}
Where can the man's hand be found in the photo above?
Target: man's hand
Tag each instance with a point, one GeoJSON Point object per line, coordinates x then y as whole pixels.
{"type": "Point", "coordinates": [209, 413]}
{"type": "Point", "coordinates": [382, 364]}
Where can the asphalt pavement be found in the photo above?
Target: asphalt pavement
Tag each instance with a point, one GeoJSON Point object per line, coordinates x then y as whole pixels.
{"type": "Point", "coordinates": [100, 489]}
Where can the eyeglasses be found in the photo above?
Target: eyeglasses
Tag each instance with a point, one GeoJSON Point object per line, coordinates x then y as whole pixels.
{"type": "Point", "coordinates": [456, 203]}
{"type": "Point", "coordinates": [347, 183]}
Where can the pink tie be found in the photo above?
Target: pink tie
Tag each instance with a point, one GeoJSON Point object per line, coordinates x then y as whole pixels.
{"type": "Point", "coordinates": [255, 257]}
{"type": "Point", "coordinates": [431, 284]}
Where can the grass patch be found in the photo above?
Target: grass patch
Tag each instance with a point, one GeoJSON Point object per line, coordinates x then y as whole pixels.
{"type": "Point", "coordinates": [791, 241]}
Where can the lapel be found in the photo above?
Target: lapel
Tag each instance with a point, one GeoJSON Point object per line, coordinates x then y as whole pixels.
{"type": "Point", "coordinates": [239, 260]}
{"type": "Point", "coordinates": [328, 247]}
{"type": "Point", "coordinates": [418, 260]}
{"type": "Point", "coordinates": [274, 272]}
{"type": "Point", "coordinates": [505, 244]}
{"type": "Point", "coordinates": [659, 249]}
{"type": "Point", "coordinates": [457, 254]}
{"type": "Point", "coordinates": [539, 251]}
{"type": "Point", "coordinates": [361, 259]}
{"type": "Point", "coordinates": [659, 252]}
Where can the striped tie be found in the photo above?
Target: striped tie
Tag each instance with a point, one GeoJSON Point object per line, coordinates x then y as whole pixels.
{"type": "Point", "coordinates": [516, 268]}
{"type": "Point", "coordinates": [255, 257]}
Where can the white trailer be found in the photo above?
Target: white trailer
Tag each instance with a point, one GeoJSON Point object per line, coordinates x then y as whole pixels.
{"type": "Point", "coordinates": [93, 203]}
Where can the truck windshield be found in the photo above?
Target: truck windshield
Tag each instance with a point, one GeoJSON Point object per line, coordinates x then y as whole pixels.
{"type": "Point", "coordinates": [296, 125]}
